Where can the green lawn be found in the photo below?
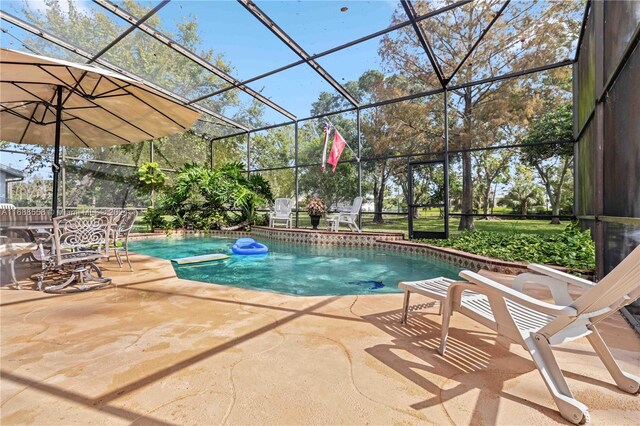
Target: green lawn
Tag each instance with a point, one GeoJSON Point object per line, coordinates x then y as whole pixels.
{"type": "Point", "coordinates": [394, 223]}
{"type": "Point", "coordinates": [521, 226]}
{"type": "Point", "coordinates": [429, 221]}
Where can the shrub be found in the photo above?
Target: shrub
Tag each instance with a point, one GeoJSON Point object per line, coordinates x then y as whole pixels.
{"type": "Point", "coordinates": [571, 248]}
{"type": "Point", "coordinates": [205, 199]}
{"type": "Point", "coordinates": [153, 218]}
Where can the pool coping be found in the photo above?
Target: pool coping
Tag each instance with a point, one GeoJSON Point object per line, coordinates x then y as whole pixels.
{"type": "Point", "coordinates": [384, 240]}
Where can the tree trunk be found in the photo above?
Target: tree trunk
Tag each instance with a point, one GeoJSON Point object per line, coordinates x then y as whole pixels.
{"type": "Point", "coordinates": [466, 222]}
{"type": "Point", "coordinates": [485, 200]}
{"type": "Point", "coordinates": [378, 196]}
{"type": "Point", "coordinates": [555, 210]}
{"type": "Point", "coordinates": [377, 212]}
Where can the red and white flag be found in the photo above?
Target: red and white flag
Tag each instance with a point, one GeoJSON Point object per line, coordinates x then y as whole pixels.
{"type": "Point", "coordinates": [336, 149]}
{"type": "Point", "coordinates": [325, 131]}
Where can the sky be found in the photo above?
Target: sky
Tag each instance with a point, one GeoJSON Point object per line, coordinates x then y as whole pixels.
{"type": "Point", "coordinates": [251, 49]}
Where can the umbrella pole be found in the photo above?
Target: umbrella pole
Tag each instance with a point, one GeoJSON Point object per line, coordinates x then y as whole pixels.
{"type": "Point", "coordinates": [56, 153]}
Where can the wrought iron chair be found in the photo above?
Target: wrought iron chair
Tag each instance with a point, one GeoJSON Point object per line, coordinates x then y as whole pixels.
{"type": "Point", "coordinates": [79, 242]}
{"type": "Point", "coordinates": [121, 235]}
{"type": "Point", "coordinates": [11, 251]}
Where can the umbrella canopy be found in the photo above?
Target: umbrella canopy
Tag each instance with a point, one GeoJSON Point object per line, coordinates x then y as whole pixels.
{"type": "Point", "coordinates": [99, 107]}
{"type": "Point", "coordinates": [45, 101]}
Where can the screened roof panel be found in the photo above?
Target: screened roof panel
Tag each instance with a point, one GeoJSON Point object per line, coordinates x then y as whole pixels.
{"type": "Point", "coordinates": [295, 89]}
{"type": "Point", "coordinates": [452, 33]}
{"type": "Point", "coordinates": [247, 47]}
{"type": "Point", "coordinates": [86, 26]}
{"type": "Point", "coordinates": [242, 108]}
{"type": "Point", "coordinates": [16, 38]}
{"type": "Point", "coordinates": [152, 60]}
{"type": "Point", "coordinates": [522, 37]}
{"type": "Point", "coordinates": [365, 58]}
{"type": "Point", "coordinates": [209, 126]}
{"type": "Point", "coordinates": [320, 25]}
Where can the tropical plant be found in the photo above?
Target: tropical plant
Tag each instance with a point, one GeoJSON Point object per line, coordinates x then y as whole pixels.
{"type": "Point", "coordinates": [150, 178]}
{"type": "Point", "coordinates": [524, 193]}
{"type": "Point", "coordinates": [316, 207]}
{"type": "Point", "coordinates": [205, 198]}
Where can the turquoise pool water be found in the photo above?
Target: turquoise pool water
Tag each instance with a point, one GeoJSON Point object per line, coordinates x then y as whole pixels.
{"type": "Point", "coordinates": [297, 269]}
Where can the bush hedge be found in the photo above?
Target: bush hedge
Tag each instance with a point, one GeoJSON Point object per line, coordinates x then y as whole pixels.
{"type": "Point", "coordinates": [571, 247]}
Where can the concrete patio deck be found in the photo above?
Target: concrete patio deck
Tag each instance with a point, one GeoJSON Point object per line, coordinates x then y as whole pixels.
{"type": "Point", "coordinates": [155, 349]}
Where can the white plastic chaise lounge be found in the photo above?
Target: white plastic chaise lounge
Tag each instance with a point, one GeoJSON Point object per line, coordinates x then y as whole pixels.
{"type": "Point", "coordinates": [538, 325]}
{"type": "Point", "coordinates": [348, 217]}
{"type": "Point", "coordinates": [281, 212]}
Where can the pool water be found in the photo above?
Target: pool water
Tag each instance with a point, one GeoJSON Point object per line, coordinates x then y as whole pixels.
{"type": "Point", "coordinates": [297, 269]}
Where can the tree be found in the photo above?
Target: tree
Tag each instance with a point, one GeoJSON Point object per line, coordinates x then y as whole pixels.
{"type": "Point", "coordinates": [552, 162]}
{"type": "Point", "coordinates": [524, 192]}
{"type": "Point", "coordinates": [527, 35]}
{"type": "Point", "coordinates": [491, 169]}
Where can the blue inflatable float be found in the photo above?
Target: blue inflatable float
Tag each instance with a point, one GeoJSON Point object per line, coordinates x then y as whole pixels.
{"type": "Point", "coordinates": [248, 246]}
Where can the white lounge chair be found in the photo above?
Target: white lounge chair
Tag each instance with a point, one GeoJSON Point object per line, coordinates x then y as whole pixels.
{"type": "Point", "coordinates": [538, 325]}
{"type": "Point", "coordinates": [348, 217]}
{"type": "Point", "coordinates": [281, 212]}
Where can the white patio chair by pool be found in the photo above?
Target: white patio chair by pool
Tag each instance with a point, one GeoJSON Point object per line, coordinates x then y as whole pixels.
{"type": "Point", "coordinates": [348, 217]}
{"type": "Point", "coordinates": [7, 206]}
{"type": "Point", "coordinates": [538, 325]}
{"type": "Point", "coordinates": [281, 212]}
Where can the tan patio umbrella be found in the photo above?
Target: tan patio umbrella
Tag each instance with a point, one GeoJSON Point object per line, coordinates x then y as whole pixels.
{"type": "Point", "coordinates": [45, 101]}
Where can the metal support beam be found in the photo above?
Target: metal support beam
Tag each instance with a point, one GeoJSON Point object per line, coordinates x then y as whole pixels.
{"type": "Point", "coordinates": [211, 154]}
{"type": "Point", "coordinates": [286, 39]}
{"type": "Point", "coordinates": [193, 57]}
{"type": "Point", "coordinates": [446, 164]}
{"type": "Point", "coordinates": [422, 37]}
{"type": "Point", "coordinates": [583, 26]}
{"type": "Point", "coordinates": [63, 172]}
{"type": "Point", "coordinates": [484, 33]}
{"type": "Point", "coordinates": [359, 162]}
{"type": "Point", "coordinates": [55, 167]}
{"type": "Point", "coordinates": [344, 46]}
{"type": "Point", "coordinates": [65, 45]}
{"type": "Point", "coordinates": [129, 30]}
{"type": "Point", "coordinates": [297, 174]}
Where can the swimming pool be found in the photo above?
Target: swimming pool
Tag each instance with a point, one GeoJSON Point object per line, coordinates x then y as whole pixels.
{"type": "Point", "coordinates": [297, 269]}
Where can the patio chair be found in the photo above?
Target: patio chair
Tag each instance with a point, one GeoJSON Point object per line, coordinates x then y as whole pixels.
{"type": "Point", "coordinates": [121, 235]}
{"type": "Point", "coordinates": [80, 241]}
{"type": "Point", "coordinates": [11, 250]}
{"type": "Point", "coordinates": [538, 325]}
{"type": "Point", "coordinates": [348, 217]}
{"type": "Point", "coordinates": [281, 212]}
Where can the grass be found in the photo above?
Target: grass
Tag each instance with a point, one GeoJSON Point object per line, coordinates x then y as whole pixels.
{"type": "Point", "coordinates": [429, 221]}
{"type": "Point", "coordinates": [522, 226]}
